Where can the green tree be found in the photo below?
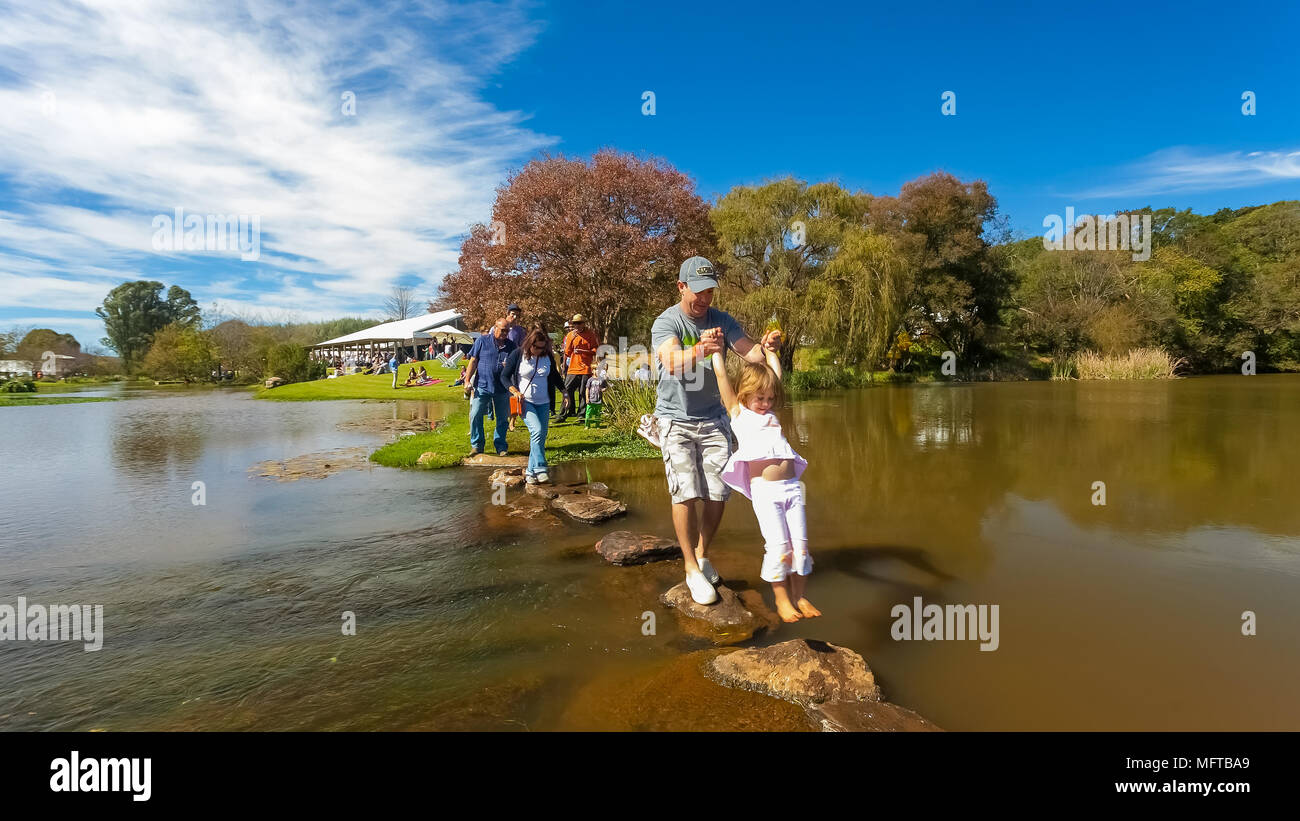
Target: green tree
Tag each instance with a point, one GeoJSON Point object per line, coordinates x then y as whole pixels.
{"type": "Point", "coordinates": [291, 363]}
{"type": "Point", "coordinates": [134, 311]}
{"type": "Point", "coordinates": [943, 227]}
{"type": "Point", "coordinates": [180, 351]}
{"type": "Point", "coordinates": [863, 297]}
{"type": "Point", "coordinates": [774, 241]}
{"type": "Point", "coordinates": [37, 342]}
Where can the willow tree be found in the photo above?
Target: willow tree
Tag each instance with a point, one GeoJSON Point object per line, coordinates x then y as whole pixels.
{"type": "Point", "coordinates": [774, 241]}
{"type": "Point", "coordinates": [862, 298]}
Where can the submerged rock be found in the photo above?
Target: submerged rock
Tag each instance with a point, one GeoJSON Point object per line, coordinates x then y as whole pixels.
{"type": "Point", "coordinates": [624, 547]}
{"type": "Point", "coordinates": [673, 695]}
{"type": "Point", "coordinates": [587, 508]}
{"type": "Point", "coordinates": [869, 717]}
{"type": "Point", "coordinates": [726, 621]}
{"type": "Point", "coordinates": [803, 671]}
{"type": "Point", "coordinates": [313, 465]}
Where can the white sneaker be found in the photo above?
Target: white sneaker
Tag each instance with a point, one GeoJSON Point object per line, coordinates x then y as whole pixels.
{"type": "Point", "coordinates": [701, 591]}
{"type": "Point", "coordinates": [543, 478]}
{"type": "Point", "coordinates": [706, 567]}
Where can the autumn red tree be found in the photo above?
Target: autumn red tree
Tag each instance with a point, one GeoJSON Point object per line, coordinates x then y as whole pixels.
{"type": "Point", "coordinates": [602, 238]}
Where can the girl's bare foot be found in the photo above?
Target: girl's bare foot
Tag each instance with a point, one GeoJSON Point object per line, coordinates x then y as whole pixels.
{"type": "Point", "coordinates": [807, 609]}
{"type": "Point", "coordinates": [786, 610]}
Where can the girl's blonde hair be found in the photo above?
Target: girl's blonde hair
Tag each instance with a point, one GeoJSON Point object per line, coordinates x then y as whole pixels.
{"type": "Point", "coordinates": [755, 377]}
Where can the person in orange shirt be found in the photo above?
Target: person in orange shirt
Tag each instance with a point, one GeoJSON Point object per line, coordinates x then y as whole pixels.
{"type": "Point", "coordinates": [580, 348]}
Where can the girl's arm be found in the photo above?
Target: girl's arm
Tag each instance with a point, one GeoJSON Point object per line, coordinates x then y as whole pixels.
{"type": "Point", "coordinates": [774, 362]}
{"type": "Point", "coordinates": [724, 384]}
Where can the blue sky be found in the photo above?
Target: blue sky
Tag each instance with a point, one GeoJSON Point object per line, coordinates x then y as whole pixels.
{"type": "Point", "coordinates": [119, 112]}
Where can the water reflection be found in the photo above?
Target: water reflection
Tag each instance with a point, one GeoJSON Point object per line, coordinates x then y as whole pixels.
{"type": "Point", "coordinates": [226, 616]}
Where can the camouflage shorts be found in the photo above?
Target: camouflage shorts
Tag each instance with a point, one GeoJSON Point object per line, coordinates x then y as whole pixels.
{"type": "Point", "coordinates": [694, 455]}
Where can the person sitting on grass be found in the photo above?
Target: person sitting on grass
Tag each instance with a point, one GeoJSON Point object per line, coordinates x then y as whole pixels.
{"type": "Point", "coordinates": [766, 469]}
{"type": "Point", "coordinates": [411, 379]}
{"type": "Point", "coordinates": [424, 375]}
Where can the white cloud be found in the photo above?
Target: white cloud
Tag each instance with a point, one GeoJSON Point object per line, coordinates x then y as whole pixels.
{"type": "Point", "coordinates": [158, 105]}
{"type": "Point", "coordinates": [1183, 169]}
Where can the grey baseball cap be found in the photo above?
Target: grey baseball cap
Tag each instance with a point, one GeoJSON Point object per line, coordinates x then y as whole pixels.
{"type": "Point", "coordinates": [698, 274]}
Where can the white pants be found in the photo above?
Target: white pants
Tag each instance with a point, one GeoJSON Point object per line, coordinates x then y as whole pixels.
{"type": "Point", "coordinates": [779, 508]}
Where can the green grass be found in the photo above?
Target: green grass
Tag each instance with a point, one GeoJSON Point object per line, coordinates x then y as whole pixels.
{"type": "Point", "coordinates": [564, 443]}
{"type": "Point", "coordinates": [369, 387]}
{"type": "Point", "coordinates": [15, 399]}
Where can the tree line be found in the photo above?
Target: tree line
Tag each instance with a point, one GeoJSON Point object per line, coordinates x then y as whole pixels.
{"type": "Point", "coordinates": [882, 282]}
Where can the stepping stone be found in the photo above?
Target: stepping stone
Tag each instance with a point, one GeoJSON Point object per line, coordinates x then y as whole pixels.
{"type": "Point", "coordinates": [488, 460]}
{"type": "Point", "coordinates": [544, 491]}
{"type": "Point", "coordinates": [598, 489]}
{"type": "Point", "coordinates": [726, 621]}
{"type": "Point", "coordinates": [623, 547]}
{"type": "Point", "coordinates": [833, 684]}
{"type": "Point", "coordinates": [586, 508]}
{"type": "Point", "coordinates": [510, 477]}
{"type": "Point", "coordinates": [805, 671]}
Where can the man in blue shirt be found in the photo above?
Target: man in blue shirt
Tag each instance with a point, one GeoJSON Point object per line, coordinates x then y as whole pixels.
{"type": "Point", "coordinates": [484, 389]}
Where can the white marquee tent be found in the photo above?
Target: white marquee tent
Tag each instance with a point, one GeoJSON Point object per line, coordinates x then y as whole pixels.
{"type": "Point", "coordinates": [417, 330]}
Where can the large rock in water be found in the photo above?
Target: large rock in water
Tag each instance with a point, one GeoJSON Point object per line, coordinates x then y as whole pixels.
{"type": "Point", "coordinates": [623, 547]}
{"type": "Point", "coordinates": [587, 508]}
{"type": "Point", "coordinates": [727, 621]}
{"type": "Point", "coordinates": [833, 684]}
{"type": "Point", "coordinates": [803, 671]}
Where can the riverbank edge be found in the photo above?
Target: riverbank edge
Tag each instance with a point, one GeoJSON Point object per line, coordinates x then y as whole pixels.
{"type": "Point", "coordinates": [569, 442]}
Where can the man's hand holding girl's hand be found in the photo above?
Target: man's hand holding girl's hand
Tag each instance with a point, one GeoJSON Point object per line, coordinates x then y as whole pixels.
{"type": "Point", "coordinates": [772, 341]}
{"type": "Point", "coordinates": [710, 342]}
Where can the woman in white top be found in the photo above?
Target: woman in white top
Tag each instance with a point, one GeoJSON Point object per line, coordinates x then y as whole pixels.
{"type": "Point", "coordinates": [532, 374]}
{"type": "Point", "coordinates": [766, 469]}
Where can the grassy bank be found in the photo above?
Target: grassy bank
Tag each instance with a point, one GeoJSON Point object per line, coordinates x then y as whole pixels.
{"type": "Point", "coordinates": [565, 442]}
{"type": "Point", "coordinates": [362, 386]}
{"type": "Point", "coordinates": [10, 400]}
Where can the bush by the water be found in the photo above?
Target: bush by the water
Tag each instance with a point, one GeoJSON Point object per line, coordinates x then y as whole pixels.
{"type": "Point", "coordinates": [19, 386]}
{"type": "Point", "coordinates": [626, 400]}
{"type": "Point", "coordinates": [1139, 363]}
{"type": "Point", "coordinates": [821, 379]}
{"type": "Point", "coordinates": [291, 363]}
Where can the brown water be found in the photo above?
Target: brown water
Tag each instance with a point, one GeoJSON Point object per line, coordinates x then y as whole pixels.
{"type": "Point", "coordinates": [227, 616]}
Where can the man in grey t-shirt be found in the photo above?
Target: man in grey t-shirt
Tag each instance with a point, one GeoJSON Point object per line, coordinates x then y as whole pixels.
{"type": "Point", "coordinates": [694, 431]}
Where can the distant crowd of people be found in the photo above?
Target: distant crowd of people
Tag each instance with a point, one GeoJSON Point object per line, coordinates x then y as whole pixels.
{"type": "Point", "coordinates": [515, 372]}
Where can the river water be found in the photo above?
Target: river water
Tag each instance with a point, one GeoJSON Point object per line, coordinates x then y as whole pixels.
{"type": "Point", "coordinates": [228, 615]}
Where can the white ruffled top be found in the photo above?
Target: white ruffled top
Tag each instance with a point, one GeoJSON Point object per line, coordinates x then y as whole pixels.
{"type": "Point", "coordinates": [760, 437]}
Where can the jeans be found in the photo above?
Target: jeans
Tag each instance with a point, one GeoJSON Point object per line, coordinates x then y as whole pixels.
{"type": "Point", "coordinates": [538, 419]}
{"type": "Point", "coordinates": [478, 407]}
{"type": "Point", "coordinates": [575, 393]}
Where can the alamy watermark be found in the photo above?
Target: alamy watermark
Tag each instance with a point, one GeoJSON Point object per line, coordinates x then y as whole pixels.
{"type": "Point", "coordinates": [55, 622]}
{"type": "Point", "coordinates": [213, 232]}
{"type": "Point", "coordinates": [953, 622]}
{"type": "Point", "coordinates": [1112, 232]}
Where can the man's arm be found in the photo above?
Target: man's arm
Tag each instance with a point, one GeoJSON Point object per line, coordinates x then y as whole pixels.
{"type": "Point", "coordinates": [756, 352]}
{"type": "Point", "coordinates": [677, 360]}
{"type": "Point", "coordinates": [469, 374]}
